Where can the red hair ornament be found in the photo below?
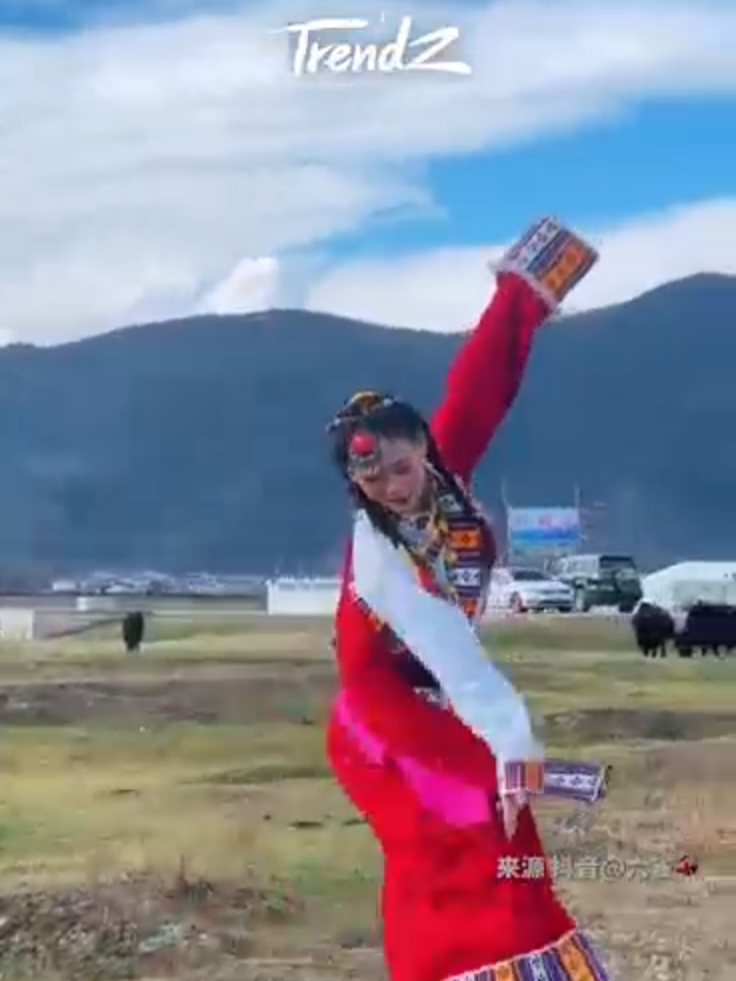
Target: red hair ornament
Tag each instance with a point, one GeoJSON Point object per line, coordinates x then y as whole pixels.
{"type": "Point", "coordinates": [364, 453]}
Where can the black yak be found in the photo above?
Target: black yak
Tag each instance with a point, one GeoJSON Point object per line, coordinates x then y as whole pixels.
{"type": "Point", "coordinates": [654, 628]}
{"type": "Point", "coordinates": [709, 627]}
{"type": "Point", "coordinates": [134, 627]}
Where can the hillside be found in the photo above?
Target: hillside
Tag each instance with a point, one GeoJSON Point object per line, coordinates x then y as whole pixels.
{"type": "Point", "coordinates": [199, 443]}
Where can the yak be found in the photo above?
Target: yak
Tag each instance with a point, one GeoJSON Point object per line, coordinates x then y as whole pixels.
{"type": "Point", "coordinates": [654, 628]}
{"type": "Point", "coordinates": [709, 627]}
{"type": "Point", "coordinates": [133, 629]}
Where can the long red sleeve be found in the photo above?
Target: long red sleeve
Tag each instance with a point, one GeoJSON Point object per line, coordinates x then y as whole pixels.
{"type": "Point", "coordinates": [485, 376]}
{"type": "Point", "coordinates": [394, 713]}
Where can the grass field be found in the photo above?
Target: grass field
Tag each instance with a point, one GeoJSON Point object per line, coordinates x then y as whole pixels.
{"type": "Point", "coordinates": [170, 815]}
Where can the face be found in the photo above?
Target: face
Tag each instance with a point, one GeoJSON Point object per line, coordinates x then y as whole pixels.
{"type": "Point", "coordinates": [401, 481]}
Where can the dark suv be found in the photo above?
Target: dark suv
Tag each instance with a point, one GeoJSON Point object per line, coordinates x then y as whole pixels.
{"type": "Point", "coordinates": [601, 580]}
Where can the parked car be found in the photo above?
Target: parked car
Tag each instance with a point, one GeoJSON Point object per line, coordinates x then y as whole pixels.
{"type": "Point", "coordinates": [601, 580]}
{"type": "Point", "coordinates": [523, 590]}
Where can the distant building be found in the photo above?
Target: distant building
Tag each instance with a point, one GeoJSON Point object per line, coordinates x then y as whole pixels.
{"type": "Point", "coordinates": [302, 597]}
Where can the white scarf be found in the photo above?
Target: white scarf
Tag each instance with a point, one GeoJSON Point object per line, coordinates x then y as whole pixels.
{"type": "Point", "coordinates": [438, 633]}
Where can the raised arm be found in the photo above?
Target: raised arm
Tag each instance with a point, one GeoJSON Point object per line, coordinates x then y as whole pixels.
{"type": "Point", "coordinates": [484, 379]}
{"type": "Point", "coordinates": [486, 374]}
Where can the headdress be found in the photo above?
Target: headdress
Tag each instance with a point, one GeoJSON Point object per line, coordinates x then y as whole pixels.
{"type": "Point", "coordinates": [363, 448]}
{"type": "Point", "coordinates": [359, 406]}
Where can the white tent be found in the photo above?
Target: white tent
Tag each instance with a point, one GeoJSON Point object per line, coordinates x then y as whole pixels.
{"type": "Point", "coordinates": [677, 587]}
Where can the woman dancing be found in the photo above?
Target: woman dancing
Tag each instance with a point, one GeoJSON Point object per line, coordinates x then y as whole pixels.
{"type": "Point", "coordinates": [430, 742]}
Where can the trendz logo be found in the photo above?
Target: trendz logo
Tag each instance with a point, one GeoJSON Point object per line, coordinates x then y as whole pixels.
{"type": "Point", "coordinates": [325, 46]}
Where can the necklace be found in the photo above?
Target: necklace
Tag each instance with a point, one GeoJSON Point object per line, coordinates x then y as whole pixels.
{"type": "Point", "coordinates": [427, 542]}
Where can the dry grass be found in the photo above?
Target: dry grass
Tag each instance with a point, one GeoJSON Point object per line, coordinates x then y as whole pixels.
{"type": "Point", "coordinates": [170, 815]}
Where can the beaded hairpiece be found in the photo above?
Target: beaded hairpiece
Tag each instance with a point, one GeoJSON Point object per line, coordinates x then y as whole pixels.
{"type": "Point", "coordinates": [364, 449]}
{"type": "Point", "coordinates": [359, 406]}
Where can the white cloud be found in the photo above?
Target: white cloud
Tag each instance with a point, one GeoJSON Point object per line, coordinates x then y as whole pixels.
{"type": "Point", "coordinates": [140, 162]}
{"type": "Point", "coordinates": [444, 289]}
{"type": "Point", "coordinates": [252, 285]}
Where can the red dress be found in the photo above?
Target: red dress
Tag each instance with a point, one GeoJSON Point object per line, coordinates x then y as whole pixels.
{"type": "Point", "coordinates": [459, 901]}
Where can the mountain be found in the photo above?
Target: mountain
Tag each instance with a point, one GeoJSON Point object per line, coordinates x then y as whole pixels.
{"type": "Point", "coordinates": [200, 443]}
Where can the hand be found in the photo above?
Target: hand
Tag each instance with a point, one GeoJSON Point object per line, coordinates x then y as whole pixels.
{"type": "Point", "coordinates": [511, 806]}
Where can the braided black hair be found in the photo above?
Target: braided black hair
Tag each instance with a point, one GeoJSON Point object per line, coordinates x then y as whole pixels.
{"type": "Point", "coordinates": [390, 418]}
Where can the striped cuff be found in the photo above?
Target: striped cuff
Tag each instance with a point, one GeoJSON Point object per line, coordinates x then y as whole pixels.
{"type": "Point", "coordinates": [551, 259]}
{"type": "Point", "coordinates": [517, 776]}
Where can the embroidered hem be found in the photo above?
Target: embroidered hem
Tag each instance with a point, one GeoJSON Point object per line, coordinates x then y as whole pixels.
{"type": "Point", "coordinates": [571, 958]}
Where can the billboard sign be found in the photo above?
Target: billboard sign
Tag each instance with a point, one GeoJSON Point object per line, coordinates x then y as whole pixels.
{"type": "Point", "coordinates": [543, 532]}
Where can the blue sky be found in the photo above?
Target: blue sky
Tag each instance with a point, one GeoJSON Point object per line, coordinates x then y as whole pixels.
{"type": "Point", "coordinates": [49, 18]}
{"type": "Point", "coordinates": [161, 159]}
{"type": "Point", "coordinates": [650, 158]}
{"type": "Point", "coordinates": [59, 16]}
